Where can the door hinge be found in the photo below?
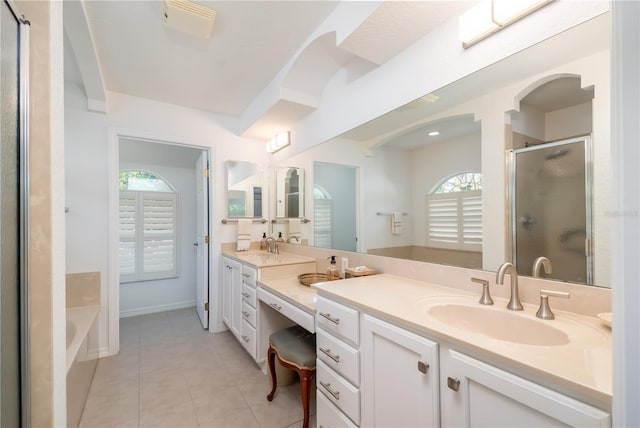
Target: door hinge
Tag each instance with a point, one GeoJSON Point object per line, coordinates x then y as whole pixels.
{"type": "Point", "coordinates": [206, 172]}
{"type": "Point", "coordinates": [206, 306]}
{"type": "Point", "coordinates": [206, 239]}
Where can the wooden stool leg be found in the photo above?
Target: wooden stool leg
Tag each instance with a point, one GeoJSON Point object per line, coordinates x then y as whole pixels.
{"type": "Point", "coordinates": [271, 359]}
{"type": "Point", "coordinates": [306, 376]}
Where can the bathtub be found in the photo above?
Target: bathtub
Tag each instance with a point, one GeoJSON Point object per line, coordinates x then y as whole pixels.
{"type": "Point", "coordinates": [82, 358]}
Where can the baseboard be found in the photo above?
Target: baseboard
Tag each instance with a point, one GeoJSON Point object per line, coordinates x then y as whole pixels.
{"type": "Point", "coordinates": [159, 308]}
{"type": "Point", "coordinates": [219, 328]}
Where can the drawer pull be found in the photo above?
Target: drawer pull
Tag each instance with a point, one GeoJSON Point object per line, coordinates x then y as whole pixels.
{"type": "Point", "coordinates": [328, 316]}
{"type": "Point", "coordinates": [423, 367]}
{"type": "Point", "coordinates": [327, 352]}
{"type": "Point", "coordinates": [327, 386]}
{"type": "Point", "coordinates": [275, 306]}
{"type": "Point", "coordinates": [246, 314]}
{"type": "Point", "coordinates": [246, 275]}
{"type": "Point", "coordinates": [246, 295]}
{"type": "Point", "coordinates": [453, 384]}
{"type": "Point", "coordinates": [245, 338]}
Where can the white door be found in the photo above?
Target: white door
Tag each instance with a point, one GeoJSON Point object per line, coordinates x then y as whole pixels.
{"type": "Point", "coordinates": [202, 243]}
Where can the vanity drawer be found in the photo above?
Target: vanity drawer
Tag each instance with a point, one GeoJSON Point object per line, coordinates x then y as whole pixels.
{"type": "Point", "coordinates": [300, 317]}
{"type": "Point", "coordinates": [249, 275]}
{"type": "Point", "coordinates": [338, 319]}
{"type": "Point", "coordinates": [339, 356]}
{"type": "Point", "coordinates": [248, 338]}
{"type": "Point", "coordinates": [329, 416]}
{"type": "Point", "coordinates": [340, 392]}
{"type": "Point", "coordinates": [249, 313]}
{"type": "Point", "coordinates": [249, 294]}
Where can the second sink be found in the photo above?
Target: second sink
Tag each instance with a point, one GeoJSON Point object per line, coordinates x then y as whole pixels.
{"type": "Point", "coordinates": [500, 325]}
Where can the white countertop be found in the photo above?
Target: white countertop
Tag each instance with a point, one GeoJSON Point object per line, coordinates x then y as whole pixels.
{"type": "Point", "coordinates": [583, 367]}
{"type": "Point", "coordinates": [292, 291]}
{"type": "Point", "coordinates": [262, 259]}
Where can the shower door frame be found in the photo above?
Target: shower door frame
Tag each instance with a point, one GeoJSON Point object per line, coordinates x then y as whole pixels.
{"type": "Point", "coordinates": [588, 186]}
{"type": "Point", "coordinates": [23, 177]}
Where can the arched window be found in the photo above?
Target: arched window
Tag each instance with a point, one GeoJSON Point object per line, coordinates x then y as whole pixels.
{"type": "Point", "coordinates": [454, 213]}
{"type": "Point", "coordinates": [148, 222]}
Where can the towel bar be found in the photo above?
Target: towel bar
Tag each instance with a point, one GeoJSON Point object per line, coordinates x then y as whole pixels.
{"type": "Point", "coordinates": [235, 220]}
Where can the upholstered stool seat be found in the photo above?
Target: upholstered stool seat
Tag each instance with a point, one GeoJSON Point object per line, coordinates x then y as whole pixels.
{"type": "Point", "coordinates": [295, 348]}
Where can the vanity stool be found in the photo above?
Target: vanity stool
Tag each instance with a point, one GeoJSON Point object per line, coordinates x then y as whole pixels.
{"type": "Point", "coordinates": [295, 348]}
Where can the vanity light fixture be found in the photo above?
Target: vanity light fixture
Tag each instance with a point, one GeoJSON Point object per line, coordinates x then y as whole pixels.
{"type": "Point", "coordinates": [433, 133]}
{"type": "Point", "coordinates": [490, 16]}
{"type": "Point", "coordinates": [279, 142]}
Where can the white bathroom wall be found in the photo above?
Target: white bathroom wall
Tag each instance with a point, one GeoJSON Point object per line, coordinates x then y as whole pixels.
{"type": "Point", "coordinates": [177, 166]}
{"type": "Point", "coordinates": [568, 122]}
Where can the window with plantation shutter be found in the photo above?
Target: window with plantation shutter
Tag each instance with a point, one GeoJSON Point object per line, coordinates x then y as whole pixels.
{"type": "Point", "coordinates": [148, 238]}
{"type": "Point", "coordinates": [454, 213]}
{"type": "Point", "coordinates": [322, 209]}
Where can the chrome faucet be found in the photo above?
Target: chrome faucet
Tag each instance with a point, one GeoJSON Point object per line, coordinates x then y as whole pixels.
{"type": "Point", "coordinates": [541, 262]}
{"type": "Point", "coordinates": [272, 249]}
{"type": "Point", "coordinates": [292, 237]}
{"type": "Point", "coordinates": [514, 303]}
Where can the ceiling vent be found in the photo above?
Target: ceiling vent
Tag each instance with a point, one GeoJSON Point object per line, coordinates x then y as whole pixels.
{"type": "Point", "coordinates": [189, 17]}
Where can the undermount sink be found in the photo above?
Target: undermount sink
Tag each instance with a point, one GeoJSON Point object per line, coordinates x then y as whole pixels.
{"type": "Point", "coordinates": [499, 324]}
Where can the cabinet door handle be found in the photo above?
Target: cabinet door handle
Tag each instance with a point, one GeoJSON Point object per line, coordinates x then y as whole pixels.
{"type": "Point", "coordinates": [275, 306]}
{"type": "Point", "coordinates": [328, 353]}
{"type": "Point", "coordinates": [423, 367]}
{"type": "Point", "coordinates": [328, 316]}
{"type": "Point", "coordinates": [453, 384]}
{"type": "Point", "coordinates": [327, 386]}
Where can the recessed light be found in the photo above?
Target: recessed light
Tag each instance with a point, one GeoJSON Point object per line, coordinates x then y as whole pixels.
{"type": "Point", "coordinates": [433, 133]}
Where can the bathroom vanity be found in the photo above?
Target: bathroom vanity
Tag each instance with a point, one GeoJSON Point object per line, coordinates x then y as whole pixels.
{"type": "Point", "coordinates": [388, 357]}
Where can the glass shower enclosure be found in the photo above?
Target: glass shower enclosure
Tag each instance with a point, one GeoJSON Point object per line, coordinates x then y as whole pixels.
{"type": "Point", "coordinates": [13, 217]}
{"type": "Point", "coordinates": [550, 208]}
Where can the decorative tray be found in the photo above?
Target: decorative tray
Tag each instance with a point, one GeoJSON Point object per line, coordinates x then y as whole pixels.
{"type": "Point", "coordinates": [311, 278]}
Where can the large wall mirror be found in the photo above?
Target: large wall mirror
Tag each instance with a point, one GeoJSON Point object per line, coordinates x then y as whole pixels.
{"type": "Point", "coordinates": [432, 176]}
{"type": "Point", "coordinates": [244, 190]}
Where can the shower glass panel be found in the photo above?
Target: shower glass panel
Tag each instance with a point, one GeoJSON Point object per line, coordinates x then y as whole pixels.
{"type": "Point", "coordinates": [550, 192]}
{"type": "Point", "coordinates": [11, 228]}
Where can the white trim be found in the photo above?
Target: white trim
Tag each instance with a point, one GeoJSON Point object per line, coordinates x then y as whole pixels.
{"type": "Point", "coordinates": [112, 280]}
{"type": "Point", "coordinates": [625, 208]}
{"type": "Point", "coordinates": [158, 308]}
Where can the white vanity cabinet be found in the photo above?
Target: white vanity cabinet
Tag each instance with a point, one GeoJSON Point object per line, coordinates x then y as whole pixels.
{"type": "Point", "coordinates": [400, 377]}
{"type": "Point", "coordinates": [475, 393]}
{"type": "Point", "coordinates": [338, 364]}
{"type": "Point", "coordinates": [406, 379]}
{"type": "Point", "coordinates": [231, 286]}
{"type": "Point", "coordinates": [247, 298]}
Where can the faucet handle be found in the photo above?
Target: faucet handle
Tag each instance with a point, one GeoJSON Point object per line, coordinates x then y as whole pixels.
{"type": "Point", "coordinates": [544, 311]}
{"type": "Point", "coordinates": [485, 299]}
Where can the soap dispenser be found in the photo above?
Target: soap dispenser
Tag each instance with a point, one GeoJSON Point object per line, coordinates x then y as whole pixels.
{"type": "Point", "coordinates": [263, 241]}
{"type": "Point", "coordinates": [280, 238]}
{"type": "Point", "coordinates": [333, 272]}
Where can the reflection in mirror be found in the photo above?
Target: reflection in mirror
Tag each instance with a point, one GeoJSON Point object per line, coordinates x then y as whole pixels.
{"type": "Point", "coordinates": [334, 206]}
{"type": "Point", "coordinates": [244, 190]}
{"type": "Point", "coordinates": [401, 161]}
{"type": "Point", "coordinates": [289, 192]}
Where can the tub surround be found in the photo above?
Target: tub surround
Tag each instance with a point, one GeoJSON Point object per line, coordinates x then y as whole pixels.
{"type": "Point", "coordinates": [83, 306]}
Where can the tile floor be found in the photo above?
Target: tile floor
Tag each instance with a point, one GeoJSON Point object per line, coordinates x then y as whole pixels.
{"type": "Point", "coordinates": [172, 373]}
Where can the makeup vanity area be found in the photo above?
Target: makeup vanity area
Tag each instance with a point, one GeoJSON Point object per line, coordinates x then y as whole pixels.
{"type": "Point", "coordinates": [412, 346]}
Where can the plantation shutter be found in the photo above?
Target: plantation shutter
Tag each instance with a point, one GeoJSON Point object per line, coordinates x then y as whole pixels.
{"type": "Point", "coordinates": [322, 223]}
{"type": "Point", "coordinates": [159, 235]}
{"type": "Point", "coordinates": [454, 220]}
{"type": "Point", "coordinates": [148, 237]}
{"type": "Point", "coordinates": [127, 251]}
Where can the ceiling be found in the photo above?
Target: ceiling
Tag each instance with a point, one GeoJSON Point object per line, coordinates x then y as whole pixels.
{"type": "Point", "coordinates": [125, 47]}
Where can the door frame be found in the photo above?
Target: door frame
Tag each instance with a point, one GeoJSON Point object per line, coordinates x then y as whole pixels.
{"type": "Point", "coordinates": [112, 280]}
